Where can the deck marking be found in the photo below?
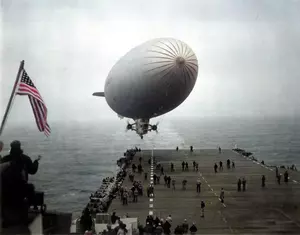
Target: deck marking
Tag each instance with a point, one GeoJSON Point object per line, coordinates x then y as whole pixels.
{"type": "Point", "coordinates": [295, 181]}
{"type": "Point", "coordinates": [151, 199]}
{"type": "Point", "coordinates": [150, 205]}
{"type": "Point", "coordinates": [150, 212]}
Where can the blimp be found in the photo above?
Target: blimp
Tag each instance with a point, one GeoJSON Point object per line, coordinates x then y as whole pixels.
{"type": "Point", "coordinates": [150, 80]}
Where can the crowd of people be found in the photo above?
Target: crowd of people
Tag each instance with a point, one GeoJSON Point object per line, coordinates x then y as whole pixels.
{"type": "Point", "coordinates": [110, 188]}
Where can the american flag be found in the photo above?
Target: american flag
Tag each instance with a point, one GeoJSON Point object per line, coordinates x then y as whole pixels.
{"type": "Point", "coordinates": [26, 87]}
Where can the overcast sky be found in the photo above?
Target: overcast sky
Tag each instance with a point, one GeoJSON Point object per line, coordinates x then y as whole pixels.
{"type": "Point", "coordinates": [248, 52]}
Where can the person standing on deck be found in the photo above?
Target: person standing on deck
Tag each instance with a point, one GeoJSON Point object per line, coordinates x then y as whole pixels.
{"type": "Point", "coordinates": [161, 171]}
{"type": "Point", "coordinates": [286, 177]}
{"type": "Point", "coordinates": [220, 150]}
{"type": "Point", "coordinates": [216, 168]}
{"type": "Point", "coordinates": [244, 184]}
{"type": "Point", "coordinates": [198, 185]}
{"type": "Point", "coordinates": [177, 148]}
{"type": "Point", "coordinates": [173, 184]}
{"type": "Point", "coordinates": [193, 229]}
{"type": "Point", "coordinates": [222, 195]}
{"type": "Point", "coordinates": [197, 167]}
{"type": "Point", "coordinates": [233, 164]}
{"type": "Point", "coordinates": [263, 181]}
{"type": "Point", "coordinates": [172, 167]}
{"type": "Point", "coordinates": [186, 166]}
{"type": "Point", "coordinates": [184, 184]}
{"type": "Point", "coordinates": [239, 183]}
{"type": "Point", "coordinates": [228, 164]}
{"type": "Point", "coordinates": [279, 178]}
{"type": "Point", "coordinates": [221, 165]}
{"type": "Point", "coordinates": [182, 165]}
{"type": "Point", "coordinates": [276, 171]}
{"type": "Point", "coordinates": [202, 208]}
{"type": "Point", "coordinates": [194, 165]}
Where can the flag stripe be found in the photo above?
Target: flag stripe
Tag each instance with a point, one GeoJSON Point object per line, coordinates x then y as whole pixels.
{"type": "Point", "coordinates": [26, 87]}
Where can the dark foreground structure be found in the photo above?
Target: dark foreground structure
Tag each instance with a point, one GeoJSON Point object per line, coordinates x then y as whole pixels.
{"type": "Point", "coordinates": [269, 208]}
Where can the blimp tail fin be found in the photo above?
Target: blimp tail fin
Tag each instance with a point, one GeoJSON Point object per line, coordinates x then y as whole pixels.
{"type": "Point", "coordinates": [99, 94]}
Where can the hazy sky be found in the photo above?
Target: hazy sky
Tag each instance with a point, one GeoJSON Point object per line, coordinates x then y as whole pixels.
{"type": "Point", "coordinates": [248, 52]}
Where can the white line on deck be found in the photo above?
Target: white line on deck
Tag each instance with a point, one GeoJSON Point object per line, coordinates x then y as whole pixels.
{"type": "Point", "coordinates": [150, 205]}
{"type": "Point", "coordinates": [150, 212]}
{"type": "Point", "coordinates": [151, 199]}
{"type": "Point", "coordinates": [295, 181]}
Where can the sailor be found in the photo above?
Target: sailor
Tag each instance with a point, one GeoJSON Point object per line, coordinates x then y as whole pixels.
{"type": "Point", "coordinates": [186, 166]}
{"type": "Point", "coordinates": [169, 181]}
{"type": "Point", "coordinates": [185, 226]}
{"type": "Point", "coordinates": [286, 177]}
{"type": "Point", "coordinates": [184, 184]}
{"type": "Point", "coordinates": [177, 148]}
{"type": "Point", "coordinates": [198, 185]}
{"type": "Point", "coordinates": [14, 180]}
{"type": "Point", "coordinates": [276, 171]}
{"type": "Point", "coordinates": [197, 167]}
{"type": "Point", "coordinates": [202, 208]}
{"type": "Point", "coordinates": [222, 195]}
{"type": "Point", "coordinates": [166, 180]}
{"type": "Point", "coordinates": [172, 167]}
{"type": "Point", "coordinates": [239, 183]}
{"type": "Point", "coordinates": [216, 168]}
{"type": "Point", "coordinates": [233, 164]}
{"type": "Point", "coordinates": [220, 150]}
{"type": "Point", "coordinates": [86, 221]}
{"type": "Point", "coordinates": [244, 184]}
{"type": "Point", "coordinates": [193, 229]}
{"type": "Point", "coordinates": [191, 148]}
{"type": "Point", "coordinates": [173, 184]}
{"type": "Point", "coordinates": [221, 165]}
{"type": "Point", "coordinates": [194, 165]}
{"type": "Point", "coordinates": [162, 171]}
{"type": "Point", "coordinates": [278, 178]}
{"type": "Point", "coordinates": [228, 163]}
{"type": "Point", "coordinates": [183, 164]}
{"type": "Point", "coordinates": [263, 181]}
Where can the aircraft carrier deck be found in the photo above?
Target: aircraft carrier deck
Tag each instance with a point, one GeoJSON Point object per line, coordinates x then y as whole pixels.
{"type": "Point", "coordinates": [270, 210]}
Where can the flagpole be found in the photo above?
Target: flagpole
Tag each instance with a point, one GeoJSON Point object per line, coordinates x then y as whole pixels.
{"type": "Point", "coordinates": [11, 97]}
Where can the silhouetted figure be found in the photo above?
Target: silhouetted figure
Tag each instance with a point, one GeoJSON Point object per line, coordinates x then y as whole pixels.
{"type": "Point", "coordinates": [216, 168]}
{"type": "Point", "coordinates": [278, 178]}
{"type": "Point", "coordinates": [263, 181]}
{"type": "Point", "coordinates": [186, 166]}
{"type": "Point", "coordinates": [220, 150]}
{"type": "Point", "coordinates": [239, 184]}
{"type": "Point", "coordinates": [172, 167]}
{"type": "Point", "coordinates": [14, 185]}
{"type": "Point", "coordinates": [177, 148]}
{"type": "Point", "coordinates": [244, 184]}
{"type": "Point", "coordinates": [263, 162]}
{"type": "Point", "coordinates": [193, 229]}
{"type": "Point", "coordinates": [191, 148]}
{"type": "Point", "coordinates": [286, 177]}
{"type": "Point", "coordinates": [162, 171]}
{"type": "Point", "coordinates": [233, 164]}
{"type": "Point", "coordinates": [86, 221]}
{"type": "Point", "coordinates": [276, 171]}
{"type": "Point", "coordinates": [222, 195]}
{"type": "Point", "coordinates": [145, 175]}
{"type": "Point", "coordinates": [221, 165]}
{"type": "Point", "coordinates": [182, 165]}
{"type": "Point", "coordinates": [202, 208]}
{"type": "Point", "coordinates": [198, 185]}
{"type": "Point", "coordinates": [228, 163]}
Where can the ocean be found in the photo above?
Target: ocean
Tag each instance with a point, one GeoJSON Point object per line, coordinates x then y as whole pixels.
{"type": "Point", "coordinates": [78, 155]}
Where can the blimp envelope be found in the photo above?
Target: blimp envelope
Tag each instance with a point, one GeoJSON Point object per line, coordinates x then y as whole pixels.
{"type": "Point", "coordinates": [151, 79]}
